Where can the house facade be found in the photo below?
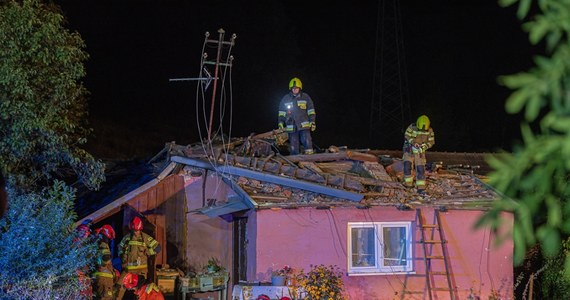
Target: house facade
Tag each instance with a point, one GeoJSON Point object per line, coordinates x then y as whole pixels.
{"type": "Point", "coordinates": [257, 214]}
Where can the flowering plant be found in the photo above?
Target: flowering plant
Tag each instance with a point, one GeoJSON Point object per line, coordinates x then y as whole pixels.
{"type": "Point", "coordinates": [285, 271]}
{"type": "Point", "coordinates": [322, 282]}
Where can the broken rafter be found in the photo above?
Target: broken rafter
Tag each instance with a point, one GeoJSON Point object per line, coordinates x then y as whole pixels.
{"type": "Point", "coordinates": [311, 172]}
{"type": "Point", "coordinates": [351, 182]}
{"type": "Point", "coordinates": [262, 176]}
{"type": "Point", "coordinates": [343, 155]}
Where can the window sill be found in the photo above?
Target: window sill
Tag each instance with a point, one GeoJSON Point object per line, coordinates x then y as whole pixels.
{"type": "Point", "coordinates": [379, 273]}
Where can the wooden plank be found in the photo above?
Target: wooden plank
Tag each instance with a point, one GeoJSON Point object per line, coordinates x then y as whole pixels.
{"type": "Point", "coordinates": [377, 171]}
{"type": "Point", "coordinates": [318, 157]}
{"type": "Point", "coordinates": [160, 223]}
{"type": "Point", "coordinates": [345, 182]}
{"type": "Point", "coordinates": [268, 135]}
{"type": "Point", "coordinates": [354, 155]}
{"type": "Point", "coordinates": [336, 167]}
{"type": "Point", "coordinates": [135, 198]}
{"type": "Point", "coordinates": [266, 197]}
{"type": "Point", "coordinates": [311, 166]}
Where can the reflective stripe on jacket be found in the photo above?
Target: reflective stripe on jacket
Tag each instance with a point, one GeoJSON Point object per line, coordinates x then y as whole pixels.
{"type": "Point", "coordinates": [424, 138]}
{"type": "Point", "coordinates": [135, 251]}
{"type": "Point", "coordinates": [296, 112]}
{"type": "Point", "coordinates": [149, 292]}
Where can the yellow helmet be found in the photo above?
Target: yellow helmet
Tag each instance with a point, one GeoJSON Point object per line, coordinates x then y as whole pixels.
{"type": "Point", "coordinates": [422, 123]}
{"type": "Point", "coordinates": [295, 82]}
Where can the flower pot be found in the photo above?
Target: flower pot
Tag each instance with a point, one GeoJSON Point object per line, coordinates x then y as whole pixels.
{"type": "Point", "coordinates": [278, 280]}
{"type": "Point", "coordinates": [290, 281]}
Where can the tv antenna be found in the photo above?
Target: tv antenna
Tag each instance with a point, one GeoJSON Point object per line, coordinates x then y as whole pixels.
{"type": "Point", "coordinates": [206, 78]}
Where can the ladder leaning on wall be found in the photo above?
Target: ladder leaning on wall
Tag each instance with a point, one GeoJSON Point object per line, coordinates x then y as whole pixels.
{"type": "Point", "coordinates": [436, 260]}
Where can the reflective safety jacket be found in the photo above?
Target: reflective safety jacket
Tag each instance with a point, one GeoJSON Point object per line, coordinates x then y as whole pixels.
{"type": "Point", "coordinates": [296, 112]}
{"type": "Point", "coordinates": [105, 279]}
{"type": "Point", "coordinates": [135, 251]}
{"type": "Point", "coordinates": [149, 292]}
{"type": "Point", "coordinates": [425, 139]}
{"type": "Point", "coordinates": [104, 254]}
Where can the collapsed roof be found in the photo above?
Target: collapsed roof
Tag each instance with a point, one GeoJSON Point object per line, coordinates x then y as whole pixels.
{"type": "Point", "coordinates": [264, 178]}
{"type": "Point", "coordinates": [339, 176]}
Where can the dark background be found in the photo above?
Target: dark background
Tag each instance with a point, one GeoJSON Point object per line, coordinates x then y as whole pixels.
{"type": "Point", "coordinates": [455, 50]}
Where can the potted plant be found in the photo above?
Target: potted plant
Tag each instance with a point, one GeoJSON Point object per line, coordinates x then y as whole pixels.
{"type": "Point", "coordinates": [322, 282]}
{"type": "Point", "coordinates": [279, 276]}
{"type": "Point", "coordinates": [213, 265]}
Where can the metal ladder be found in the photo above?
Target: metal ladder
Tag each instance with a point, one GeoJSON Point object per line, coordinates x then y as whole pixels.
{"type": "Point", "coordinates": [436, 239]}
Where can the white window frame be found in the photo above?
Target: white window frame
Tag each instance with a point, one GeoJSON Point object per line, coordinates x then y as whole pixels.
{"type": "Point", "coordinates": [379, 267]}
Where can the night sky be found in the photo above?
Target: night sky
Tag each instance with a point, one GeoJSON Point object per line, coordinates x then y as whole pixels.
{"type": "Point", "coordinates": [454, 51]}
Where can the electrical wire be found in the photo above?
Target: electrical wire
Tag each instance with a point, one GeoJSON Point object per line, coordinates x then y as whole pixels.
{"type": "Point", "coordinates": [331, 223]}
{"type": "Point", "coordinates": [481, 262]}
{"type": "Point", "coordinates": [201, 112]}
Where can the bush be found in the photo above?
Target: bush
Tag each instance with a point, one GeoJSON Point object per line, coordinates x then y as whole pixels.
{"type": "Point", "coordinates": [39, 256]}
{"type": "Point", "coordinates": [556, 280]}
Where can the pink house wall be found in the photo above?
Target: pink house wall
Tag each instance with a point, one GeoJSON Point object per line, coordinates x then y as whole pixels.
{"type": "Point", "coordinates": [207, 237]}
{"type": "Point", "coordinates": [305, 236]}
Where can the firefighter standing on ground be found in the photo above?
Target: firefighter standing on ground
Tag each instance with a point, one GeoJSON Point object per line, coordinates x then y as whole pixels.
{"type": "Point", "coordinates": [297, 117]}
{"type": "Point", "coordinates": [419, 137]}
{"type": "Point", "coordinates": [106, 276]}
{"type": "Point", "coordinates": [83, 233]}
{"type": "Point", "coordinates": [142, 290]}
{"type": "Point", "coordinates": [135, 249]}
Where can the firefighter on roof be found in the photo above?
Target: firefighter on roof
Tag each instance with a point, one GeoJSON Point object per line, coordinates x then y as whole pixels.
{"type": "Point", "coordinates": [135, 249]}
{"type": "Point", "coordinates": [419, 137]}
{"type": "Point", "coordinates": [297, 117]}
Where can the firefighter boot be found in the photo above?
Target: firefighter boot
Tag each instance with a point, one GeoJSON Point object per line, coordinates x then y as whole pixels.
{"type": "Point", "coordinates": [408, 178]}
{"type": "Point", "coordinates": [421, 179]}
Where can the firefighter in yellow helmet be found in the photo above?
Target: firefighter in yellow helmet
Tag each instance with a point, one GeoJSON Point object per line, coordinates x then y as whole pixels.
{"type": "Point", "coordinates": [419, 137]}
{"type": "Point", "coordinates": [297, 116]}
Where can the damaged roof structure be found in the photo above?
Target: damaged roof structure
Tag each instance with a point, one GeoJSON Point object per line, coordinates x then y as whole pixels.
{"type": "Point", "coordinates": [242, 200]}
{"type": "Point", "coordinates": [339, 176]}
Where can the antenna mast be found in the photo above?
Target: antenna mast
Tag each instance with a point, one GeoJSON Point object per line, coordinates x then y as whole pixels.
{"type": "Point", "coordinates": [205, 76]}
{"type": "Point", "coordinates": [390, 105]}
{"type": "Point", "coordinates": [220, 43]}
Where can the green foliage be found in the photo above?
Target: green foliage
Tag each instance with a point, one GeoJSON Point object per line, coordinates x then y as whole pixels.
{"type": "Point", "coordinates": [39, 256]}
{"type": "Point", "coordinates": [555, 279]}
{"type": "Point", "coordinates": [42, 102]}
{"type": "Point", "coordinates": [534, 178]}
{"type": "Point", "coordinates": [42, 124]}
{"type": "Point", "coordinates": [213, 265]}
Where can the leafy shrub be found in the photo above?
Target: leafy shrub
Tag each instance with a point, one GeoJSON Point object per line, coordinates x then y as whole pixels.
{"type": "Point", "coordinates": [555, 279]}
{"type": "Point", "coordinates": [39, 256]}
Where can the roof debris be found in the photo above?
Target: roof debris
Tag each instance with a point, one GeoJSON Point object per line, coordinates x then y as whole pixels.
{"type": "Point", "coordinates": [374, 174]}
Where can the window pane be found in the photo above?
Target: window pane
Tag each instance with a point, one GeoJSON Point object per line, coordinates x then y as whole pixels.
{"type": "Point", "coordinates": [394, 246]}
{"type": "Point", "coordinates": [363, 247]}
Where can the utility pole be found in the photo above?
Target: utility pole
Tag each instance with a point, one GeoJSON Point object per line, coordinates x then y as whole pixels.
{"type": "Point", "coordinates": [205, 77]}
{"type": "Point", "coordinates": [390, 105]}
{"type": "Point", "coordinates": [219, 43]}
